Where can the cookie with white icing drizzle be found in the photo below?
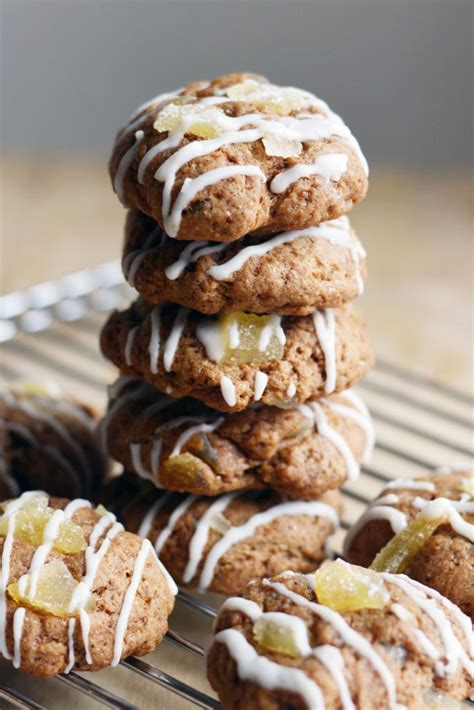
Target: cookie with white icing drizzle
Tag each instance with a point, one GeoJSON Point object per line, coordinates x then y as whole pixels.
{"type": "Point", "coordinates": [239, 359]}
{"type": "Point", "coordinates": [292, 273]}
{"type": "Point", "coordinates": [446, 560]}
{"type": "Point", "coordinates": [47, 442]}
{"type": "Point", "coordinates": [185, 446]}
{"type": "Point", "coordinates": [75, 588]}
{"type": "Point", "coordinates": [220, 544]}
{"type": "Point", "coordinates": [221, 159]}
{"type": "Point", "coordinates": [280, 646]}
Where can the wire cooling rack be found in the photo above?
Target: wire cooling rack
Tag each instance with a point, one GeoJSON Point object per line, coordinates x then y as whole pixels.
{"type": "Point", "coordinates": [50, 332]}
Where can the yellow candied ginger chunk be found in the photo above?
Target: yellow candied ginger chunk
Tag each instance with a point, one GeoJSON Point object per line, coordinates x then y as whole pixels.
{"type": "Point", "coordinates": [281, 99]}
{"type": "Point", "coordinates": [30, 523]}
{"type": "Point", "coordinates": [282, 633]}
{"type": "Point", "coordinates": [54, 589]}
{"type": "Point", "coordinates": [344, 587]}
{"type": "Point", "coordinates": [193, 118]}
{"type": "Point", "coordinates": [182, 468]}
{"type": "Point", "coordinates": [398, 553]}
{"type": "Point", "coordinates": [248, 338]}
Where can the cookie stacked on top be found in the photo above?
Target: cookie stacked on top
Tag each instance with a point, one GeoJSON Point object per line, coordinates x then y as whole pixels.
{"type": "Point", "coordinates": [237, 357]}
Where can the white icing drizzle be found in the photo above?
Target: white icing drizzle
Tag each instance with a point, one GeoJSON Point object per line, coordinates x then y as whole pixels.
{"type": "Point", "coordinates": [291, 391]}
{"type": "Point", "coordinates": [330, 166]}
{"type": "Point", "coordinates": [171, 344]}
{"type": "Point", "coordinates": [18, 621]}
{"type": "Point", "coordinates": [359, 413]}
{"type": "Point", "coordinates": [124, 165]}
{"type": "Point", "coordinates": [138, 467]}
{"type": "Point", "coordinates": [190, 254]}
{"type": "Point", "coordinates": [154, 347]}
{"type": "Point", "coordinates": [211, 335]}
{"type": "Point", "coordinates": [454, 651]}
{"type": "Point", "coordinates": [129, 598]}
{"type": "Point", "coordinates": [140, 115]}
{"type": "Point", "coordinates": [451, 509]}
{"type": "Point", "coordinates": [70, 644]}
{"type": "Point", "coordinates": [396, 518]}
{"type": "Point", "coordinates": [336, 231]}
{"type": "Point", "coordinates": [147, 521]}
{"type": "Point", "coordinates": [271, 329]}
{"type": "Point", "coordinates": [425, 644]}
{"type": "Point", "coordinates": [191, 188]}
{"type": "Point", "coordinates": [268, 674]}
{"type": "Point", "coordinates": [39, 558]}
{"type": "Point", "coordinates": [261, 381]}
{"type": "Point", "coordinates": [241, 532]}
{"type": "Point", "coordinates": [173, 519]}
{"type": "Point", "coordinates": [289, 130]}
{"type": "Point", "coordinates": [440, 507]}
{"type": "Point", "coordinates": [131, 263]}
{"type": "Point", "coordinates": [252, 667]}
{"type": "Point", "coordinates": [325, 327]}
{"type": "Point", "coordinates": [234, 335]}
{"type": "Point", "coordinates": [201, 534]}
{"type": "Point", "coordinates": [228, 391]}
{"type": "Point", "coordinates": [315, 412]}
{"type": "Point", "coordinates": [347, 634]}
{"type": "Point", "coordinates": [205, 428]}
{"type": "Point", "coordinates": [129, 345]}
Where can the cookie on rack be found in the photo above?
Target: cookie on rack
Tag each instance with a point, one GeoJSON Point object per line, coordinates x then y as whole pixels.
{"type": "Point", "coordinates": [239, 359]}
{"type": "Point", "coordinates": [292, 273]}
{"type": "Point", "coordinates": [182, 445]}
{"type": "Point", "coordinates": [220, 544]}
{"type": "Point", "coordinates": [220, 159]}
{"type": "Point", "coordinates": [76, 588]}
{"type": "Point", "coordinates": [47, 442]}
{"type": "Point", "coordinates": [341, 638]}
{"type": "Point", "coordinates": [443, 506]}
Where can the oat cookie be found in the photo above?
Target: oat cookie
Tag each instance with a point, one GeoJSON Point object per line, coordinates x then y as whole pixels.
{"type": "Point", "coordinates": [47, 442]}
{"type": "Point", "coordinates": [239, 359]}
{"type": "Point", "coordinates": [221, 159]}
{"type": "Point", "coordinates": [446, 560]}
{"type": "Point", "coordinates": [185, 446]}
{"type": "Point", "coordinates": [220, 544]}
{"type": "Point", "coordinates": [292, 273]}
{"type": "Point", "coordinates": [76, 589]}
{"type": "Point", "coordinates": [339, 639]}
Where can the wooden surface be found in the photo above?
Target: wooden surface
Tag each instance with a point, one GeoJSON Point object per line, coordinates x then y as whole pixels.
{"type": "Point", "coordinates": [59, 215]}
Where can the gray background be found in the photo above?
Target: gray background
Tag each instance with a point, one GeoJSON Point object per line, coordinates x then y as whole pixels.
{"type": "Point", "coordinates": [397, 70]}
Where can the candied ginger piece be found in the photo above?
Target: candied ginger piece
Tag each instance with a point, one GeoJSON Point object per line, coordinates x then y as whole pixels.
{"type": "Point", "coordinates": [54, 589]}
{"type": "Point", "coordinates": [200, 446]}
{"type": "Point", "coordinates": [398, 553]}
{"type": "Point", "coordinates": [219, 523]}
{"type": "Point", "coordinates": [249, 338]}
{"type": "Point", "coordinates": [281, 99]}
{"type": "Point", "coordinates": [193, 118]}
{"type": "Point", "coordinates": [282, 633]}
{"type": "Point", "coordinates": [344, 587]}
{"type": "Point", "coordinates": [30, 523]}
{"type": "Point", "coordinates": [183, 467]}
{"type": "Point", "coordinates": [281, 147]}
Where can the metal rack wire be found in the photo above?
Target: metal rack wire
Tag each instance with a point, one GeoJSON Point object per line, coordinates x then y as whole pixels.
{"type": "Point", "coordinates": [420, 425]}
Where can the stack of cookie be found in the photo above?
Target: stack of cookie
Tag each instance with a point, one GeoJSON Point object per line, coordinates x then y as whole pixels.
{"type": "Point", "coordinates": [238, 354]}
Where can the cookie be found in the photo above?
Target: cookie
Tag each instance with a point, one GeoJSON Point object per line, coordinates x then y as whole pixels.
{"type": "Point", "coordinates": [280, 646]}
{"type": "Point", "coordinates": [221, 159]}
{"type": "Point", "coordinates": [239, 359]}
{"type": "Point", "coordinates": [47, 442]}
{"type": "Point", "coordinates": [185, 446]}
{"type": "Point", "coordinates": [220, 544]}
{"type": "Point", "coordinates": [77, 592]}
{"type": "Point", "coordinates": [446, 560]}
{"type": "Point", "coordinates": [292, 273]}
